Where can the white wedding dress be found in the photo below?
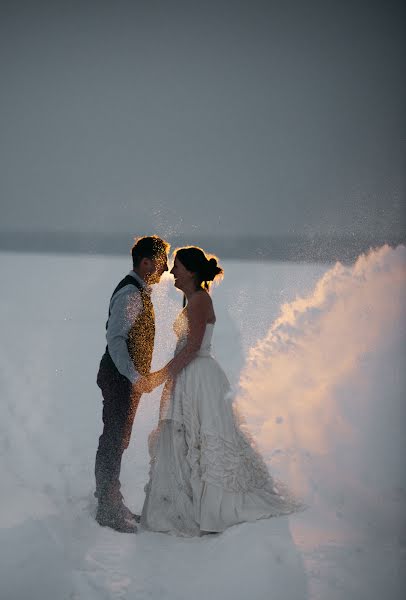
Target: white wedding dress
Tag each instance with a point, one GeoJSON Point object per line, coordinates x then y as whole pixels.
{"type": "Point", "coordinates": [205, 474]}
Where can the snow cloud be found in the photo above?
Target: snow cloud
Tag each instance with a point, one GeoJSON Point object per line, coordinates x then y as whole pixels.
{"type": "Point", "coordinates": [322, 390]}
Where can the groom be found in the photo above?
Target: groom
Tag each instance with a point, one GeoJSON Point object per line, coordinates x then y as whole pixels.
{"type": "Point", "coordinates": [123, 374]}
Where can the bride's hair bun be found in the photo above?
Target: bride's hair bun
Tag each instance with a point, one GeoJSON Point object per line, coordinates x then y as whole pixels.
{"type": "Point", "coordinates": [212, 269]}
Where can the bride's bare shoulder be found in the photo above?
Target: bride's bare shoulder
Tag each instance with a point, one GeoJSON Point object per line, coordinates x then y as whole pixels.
{"type": "Point", "coordinates": [200, 298]}
{"type": "Point", "coordinates": [201, 303]}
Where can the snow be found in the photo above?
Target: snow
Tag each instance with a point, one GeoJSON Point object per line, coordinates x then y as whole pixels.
{"type": "Point", "coordinates": [316, 355]}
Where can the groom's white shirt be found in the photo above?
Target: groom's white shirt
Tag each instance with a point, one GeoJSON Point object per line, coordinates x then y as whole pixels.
{"type": "Point", "coordinates": [125, 306]}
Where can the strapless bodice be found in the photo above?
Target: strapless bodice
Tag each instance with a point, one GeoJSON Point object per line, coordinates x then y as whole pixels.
{"type": "Point", "coordinates": [181, 332]}
{"type": "Point", "coordinates": [206, 341]}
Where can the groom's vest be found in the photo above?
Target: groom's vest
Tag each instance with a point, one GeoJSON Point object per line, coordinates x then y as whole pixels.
{"type": "Point", "coordinates": [140, 342]}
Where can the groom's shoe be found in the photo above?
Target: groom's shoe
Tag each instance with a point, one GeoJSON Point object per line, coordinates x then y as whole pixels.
{"type": "Point", "coordinates": [124, 510]}
{"type": "Point", "coordinates": [115, 520]}
{"type": "Point", "coordinates": [128, 514]}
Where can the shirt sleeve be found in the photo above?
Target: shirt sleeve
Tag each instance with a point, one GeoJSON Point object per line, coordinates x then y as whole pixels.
{"type": "Point", "coordinates": [125, 306]}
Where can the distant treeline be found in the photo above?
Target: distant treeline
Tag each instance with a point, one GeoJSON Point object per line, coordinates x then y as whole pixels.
{"type": "Point", "coordinates": [295, 248]}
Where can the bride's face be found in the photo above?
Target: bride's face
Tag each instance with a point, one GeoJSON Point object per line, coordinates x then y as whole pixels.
{"type": "Point", "coordinates": [183, 277]}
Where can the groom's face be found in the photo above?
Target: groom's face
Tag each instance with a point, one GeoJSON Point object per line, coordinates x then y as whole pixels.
{"type": "Point", "coordinates": [157, 267]}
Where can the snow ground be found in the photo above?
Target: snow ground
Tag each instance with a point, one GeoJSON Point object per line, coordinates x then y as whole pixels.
{"type": "Point", "coordinates": [347, 448]}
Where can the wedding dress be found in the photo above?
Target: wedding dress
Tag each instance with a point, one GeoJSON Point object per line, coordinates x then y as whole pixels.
{"type": "Point", "coordinates": [205, 474]}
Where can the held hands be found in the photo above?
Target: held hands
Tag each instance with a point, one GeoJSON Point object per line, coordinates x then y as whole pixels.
{"type": "Point", "coordinates": [149, 382]}
{"type": "Point", "coordinates": [142, 386]}
{"type": "Point", "coordinates": [158, 377]}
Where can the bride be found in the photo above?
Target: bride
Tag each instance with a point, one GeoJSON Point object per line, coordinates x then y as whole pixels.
{"type": "Point", "coordinates": [205, 474]}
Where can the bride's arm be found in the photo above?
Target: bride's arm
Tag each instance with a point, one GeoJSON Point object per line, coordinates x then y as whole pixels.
{"type": "Point", "coordinates": [197, 312]}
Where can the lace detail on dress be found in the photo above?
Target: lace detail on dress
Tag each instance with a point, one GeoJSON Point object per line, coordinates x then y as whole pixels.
{"type": "Point", "coordinates": [232, 465]}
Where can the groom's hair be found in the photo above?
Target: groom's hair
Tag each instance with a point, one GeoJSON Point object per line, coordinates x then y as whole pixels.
{"type": "Point", "coordinates": [149, 247]}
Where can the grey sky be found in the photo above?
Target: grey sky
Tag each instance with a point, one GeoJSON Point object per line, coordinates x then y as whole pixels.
{"type": "Point", "coordinates": [234, 117]}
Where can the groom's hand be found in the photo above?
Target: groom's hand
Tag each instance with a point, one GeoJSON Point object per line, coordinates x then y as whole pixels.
{"type": "Point", "coordinates": [143, 385]}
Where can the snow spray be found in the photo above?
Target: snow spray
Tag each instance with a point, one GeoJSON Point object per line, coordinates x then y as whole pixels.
{"type": "Point", "coordinates": [323, 392]}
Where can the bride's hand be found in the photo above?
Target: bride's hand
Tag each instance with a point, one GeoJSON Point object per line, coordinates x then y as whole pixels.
{"type": "Point", "coordinates": [147, 383]}
{"type": "Point", "coordinates": [157, 378]}
{"type": "Point", "coordinates": [142, 386]}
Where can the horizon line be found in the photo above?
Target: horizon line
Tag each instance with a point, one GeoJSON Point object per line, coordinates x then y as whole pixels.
{"type": "Point", "coordinates": [292, 247]}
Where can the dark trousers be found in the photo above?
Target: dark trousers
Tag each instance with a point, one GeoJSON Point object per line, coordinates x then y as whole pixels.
{"type": "Point", "coordinates": [119, 407]}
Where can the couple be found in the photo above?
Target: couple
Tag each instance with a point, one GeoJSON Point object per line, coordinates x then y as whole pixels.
{"type": "Point", "coordinates": [204, 473]}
